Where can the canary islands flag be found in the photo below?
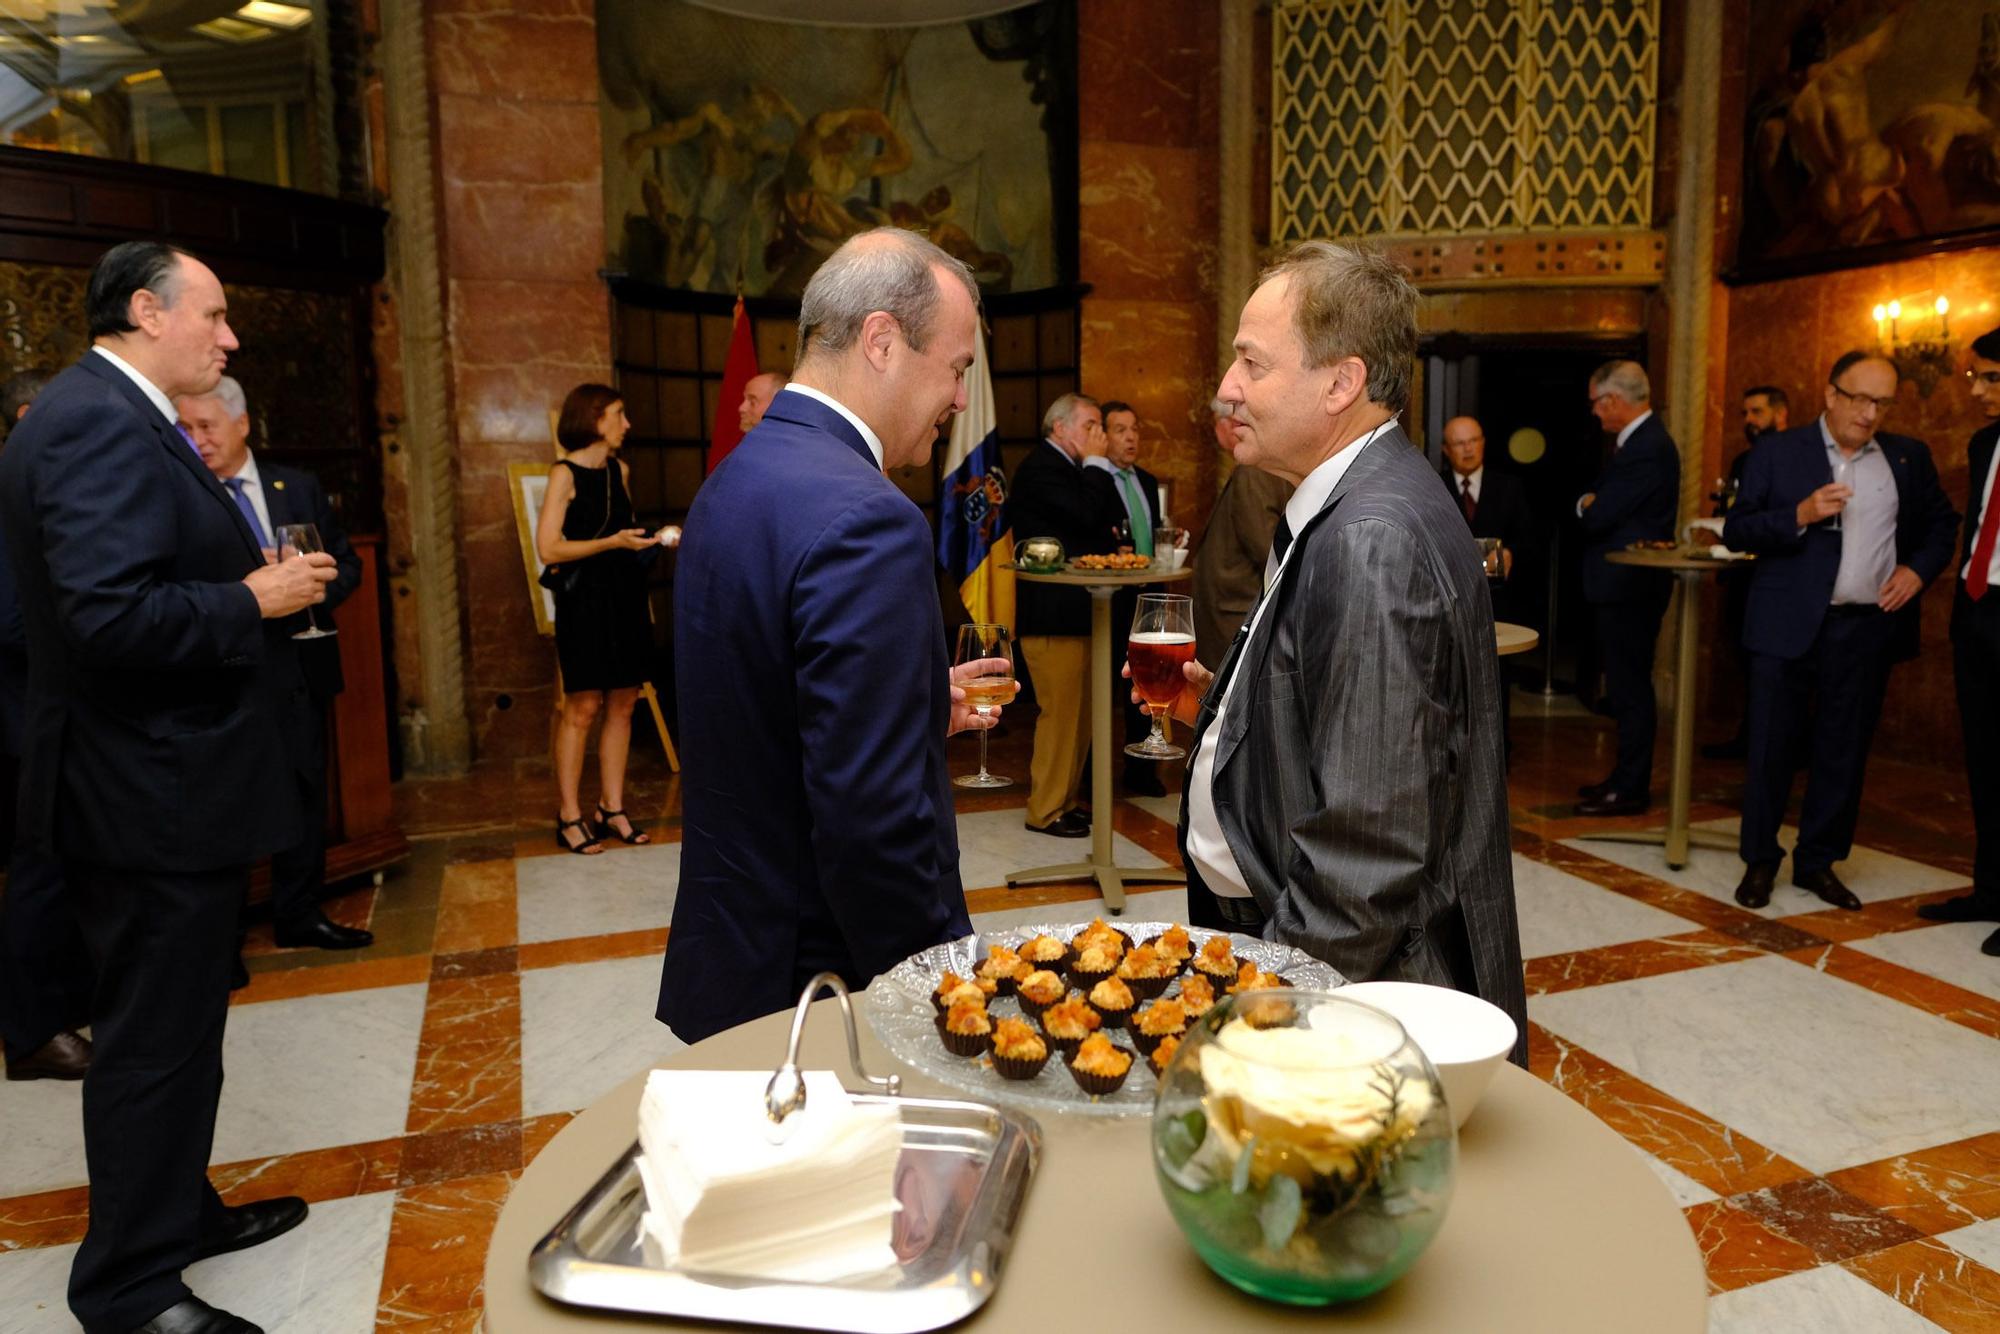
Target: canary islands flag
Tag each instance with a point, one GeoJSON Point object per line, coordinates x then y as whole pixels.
{"type": "Point", "coordinates": [973, 542]}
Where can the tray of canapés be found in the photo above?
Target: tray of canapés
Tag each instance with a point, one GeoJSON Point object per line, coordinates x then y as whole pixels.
{"type": "Point", "coordinates": [1061, 1018]}
{"type": "Point", "coordinates": [1689, 550]}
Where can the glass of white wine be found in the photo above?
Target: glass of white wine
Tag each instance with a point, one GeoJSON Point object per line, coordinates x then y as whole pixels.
{"type": "Point", "coordinates": [992, 647]}
{"type": "Point", "coordinates": [302, 539]}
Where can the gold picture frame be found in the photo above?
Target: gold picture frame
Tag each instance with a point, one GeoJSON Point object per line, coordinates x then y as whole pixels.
{"type": "Point", "coordinates": [529, 483]}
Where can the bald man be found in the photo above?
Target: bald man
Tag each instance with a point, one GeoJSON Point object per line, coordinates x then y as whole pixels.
{"type": "Point", "coordinates": [757, 395]}
{"type": "Point", "coordinates": [1494, 503]}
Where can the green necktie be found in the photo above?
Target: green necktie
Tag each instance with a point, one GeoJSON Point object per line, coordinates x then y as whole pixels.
{"type": "Point", "coordinates": [1142, 522]}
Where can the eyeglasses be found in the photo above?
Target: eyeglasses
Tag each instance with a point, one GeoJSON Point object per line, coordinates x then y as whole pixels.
{"type": "Point", "coordinates": [1881, 404]}
{"type": "Point", "coordinates": [1983, 377]}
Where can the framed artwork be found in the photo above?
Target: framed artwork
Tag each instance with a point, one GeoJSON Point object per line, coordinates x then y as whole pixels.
{"type": "Point", "coordinates": [1872, 133]}
{"type": "Point", "coordinates": [739, 152]}
{"type": "Point", "coordinates": [529, 483]}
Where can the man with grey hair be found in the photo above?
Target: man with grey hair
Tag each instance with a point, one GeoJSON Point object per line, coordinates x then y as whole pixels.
{"type": "Point", "coordinates": [1346, 790]}
{"type": "Point", "coordinates": [1635, 500]}
{"type": "Point", "coordinates": [1054, 495]}
{"type": "Point", "coordinates": [269, 497]}
{"type": "Point", "coordinates": [815, 693]}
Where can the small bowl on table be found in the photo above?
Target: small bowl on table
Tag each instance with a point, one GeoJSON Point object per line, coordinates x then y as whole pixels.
{"type": "Point", "coordinates": [1465, 1037]}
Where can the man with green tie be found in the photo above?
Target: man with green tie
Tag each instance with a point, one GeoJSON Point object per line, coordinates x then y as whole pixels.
{"type": "Point", "coordinates": [1139, 505]}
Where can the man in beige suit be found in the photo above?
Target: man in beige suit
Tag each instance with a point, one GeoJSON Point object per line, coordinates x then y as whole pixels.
{"type": "Point", "coordinates": [1229, 567]}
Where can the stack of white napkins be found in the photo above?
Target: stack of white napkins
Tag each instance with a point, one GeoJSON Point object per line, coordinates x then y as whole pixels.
{"type": "Point", "coordinates": [722, 1197]}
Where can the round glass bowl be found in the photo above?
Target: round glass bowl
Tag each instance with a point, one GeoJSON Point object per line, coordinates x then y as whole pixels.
{"type": "Point", "coordinates": [1304, 1146]}
{"type": "Point", "coordinates": [1040, 555]}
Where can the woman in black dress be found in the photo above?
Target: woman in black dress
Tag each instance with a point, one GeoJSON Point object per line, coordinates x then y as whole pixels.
{"type": "Point", "coordinates": [604, 637]}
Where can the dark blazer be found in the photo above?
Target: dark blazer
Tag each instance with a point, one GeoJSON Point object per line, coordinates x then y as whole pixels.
{"type": "Point", "coordinates": [1503, 509]}
{"type": "Point", "coordinates": [1053, 497]}
{"type": "Point", "coordinates": [156, 695]}
{"type": "Point", "coordinates": [1359, 778]}
{"type": "Point", "coordinates": [814, 696]}
{"type": "Point", "coordinates": [1978, 458]}
{"type": "Point", "coordinates": [1791, 584]}
{"type": "Point", "coordinates": [13, 659]}
{"type": "Point", "coordinates": [1638, 497]}
{"type": "Point", "coordinates": [1229, 565]}
{"type": "Point", "coordinates": [295, 496]}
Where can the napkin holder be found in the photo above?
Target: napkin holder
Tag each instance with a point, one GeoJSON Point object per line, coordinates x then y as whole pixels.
{"type": "Point", "coordinates": [961, 1178]}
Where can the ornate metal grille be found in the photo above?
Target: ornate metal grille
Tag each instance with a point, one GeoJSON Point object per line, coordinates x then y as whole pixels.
{"type": "Point", "coordinates": [1448, 117]}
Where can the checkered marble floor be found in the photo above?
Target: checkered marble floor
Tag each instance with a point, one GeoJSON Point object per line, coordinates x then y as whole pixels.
{"type": "Point", "coordinates": [1818, 1090]}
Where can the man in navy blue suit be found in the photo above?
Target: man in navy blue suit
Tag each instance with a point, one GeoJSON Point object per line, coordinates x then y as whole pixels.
{"type": "Point", "coordinates": [1635, 500]}
{"type": "Point", "coordinates": [815, 691]}
{"type": "Point", "coordinates": [1848, 525]}
{"type": "Point", "coordinates": [1975, 647]}
{"type": "Point", "coordinates": [159, 661]}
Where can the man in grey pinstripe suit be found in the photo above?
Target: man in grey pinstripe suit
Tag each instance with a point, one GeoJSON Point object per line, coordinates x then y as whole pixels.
{"type": "Point", "coordinates": [1346, 789]}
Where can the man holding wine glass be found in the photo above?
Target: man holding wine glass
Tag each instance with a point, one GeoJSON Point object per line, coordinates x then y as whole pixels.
{"type": "Point", "coordinates": [274, 501]}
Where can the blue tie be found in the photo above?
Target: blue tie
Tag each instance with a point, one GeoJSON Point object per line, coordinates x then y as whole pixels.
{"type": "Point", "coordinates": [235, 485]}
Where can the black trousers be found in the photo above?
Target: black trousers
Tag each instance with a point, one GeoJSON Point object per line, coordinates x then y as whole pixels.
{"type": "Point", "coordinates": [298, 873]}
{"type": "Point", "coordinates": [45, 971]}
{"type": "Point", "coordinates": [162, 945]}
{"type": "Point", "coordinates": [1975, 652]}
{"type": "Point", "coordinates": [1626, 634]}
{"type": "Point", "coordinates": [1829, 697]}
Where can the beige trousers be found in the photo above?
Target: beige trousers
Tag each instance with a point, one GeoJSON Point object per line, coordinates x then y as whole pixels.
{"type": "Point", "coordinates": [1061, 665]}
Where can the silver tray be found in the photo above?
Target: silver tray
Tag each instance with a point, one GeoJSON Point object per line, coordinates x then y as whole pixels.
{"type": "Point", "coordinates": [961, 1179]}
{"type": "Point", "coordinates": [898, 1005]}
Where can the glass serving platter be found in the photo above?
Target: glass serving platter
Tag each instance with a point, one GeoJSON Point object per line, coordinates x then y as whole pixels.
{"type": "Point", "coordinates": [898, 1007]}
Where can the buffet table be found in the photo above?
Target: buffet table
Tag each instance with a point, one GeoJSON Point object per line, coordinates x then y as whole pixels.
{"type": "Point", "coordinates": [1556, 1223]}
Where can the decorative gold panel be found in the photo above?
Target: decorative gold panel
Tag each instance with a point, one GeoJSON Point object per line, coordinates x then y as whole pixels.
{"type": "Point", "coordinates": [1453, 117]}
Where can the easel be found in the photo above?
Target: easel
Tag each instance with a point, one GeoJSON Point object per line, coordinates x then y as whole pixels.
{"type": "Point", "coordinates": [525, 517]}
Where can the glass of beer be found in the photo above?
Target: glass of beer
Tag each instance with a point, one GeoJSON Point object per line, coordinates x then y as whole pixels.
{"type": "Point", "coordinates": [1162, 639]}
{"type": "Point", "coordinates": [992, 647]}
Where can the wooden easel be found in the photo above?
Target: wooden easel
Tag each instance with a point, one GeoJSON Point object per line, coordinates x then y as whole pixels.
{"type": "Point", "coordinates": [646, 691]}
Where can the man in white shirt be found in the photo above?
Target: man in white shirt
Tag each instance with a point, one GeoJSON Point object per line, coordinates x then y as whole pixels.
{"type": "Point", "coordinates": [1346, 790]}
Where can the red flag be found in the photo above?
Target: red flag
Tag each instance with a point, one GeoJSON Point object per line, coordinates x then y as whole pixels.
{"type": "Point", "coordinates": [737, 373]}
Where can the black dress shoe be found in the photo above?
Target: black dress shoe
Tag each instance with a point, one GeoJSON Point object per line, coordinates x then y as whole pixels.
{"type": "Point", "coordinates": [64, 1056]}
{"type": "Point", "coordinates": [1592, 791]}
{"type": "Point", "coordinates": [249, 1225]}
{"type": "Point", "coordinates": [1827, 885]}
{"type": "Point", "coordinates": [324, 933]}
{"type": "Point", "coordinates": [1973, 907]}
{"type": "Point", "coordinates": [1067, 825]}
{"type": "Point", "coordinates": [1754, 890]}
{"type": "Point", "coordinates": [239, 976]}
{"type": "Point", "coordinates": [1992, 945]}
{"type": "Point", "coordinates": [192, 1315]}
{"type": "Point", "coordinates": [1612, 803]}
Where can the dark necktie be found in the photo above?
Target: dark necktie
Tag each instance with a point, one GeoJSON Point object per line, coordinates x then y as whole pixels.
{"type": "Point", "coordinates": [1466, 501]}
{"type": "Point", "coordinates": [235, 485]}
{"type": "Point", "coordinates": [1281, 541]}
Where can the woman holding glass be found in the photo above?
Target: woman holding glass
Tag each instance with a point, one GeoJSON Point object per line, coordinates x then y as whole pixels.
{"type": "Point", "coordinates": [604, 635]}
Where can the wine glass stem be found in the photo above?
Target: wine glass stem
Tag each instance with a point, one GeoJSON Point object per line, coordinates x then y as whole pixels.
{"type": "Point", "coordinates": [982, 751]}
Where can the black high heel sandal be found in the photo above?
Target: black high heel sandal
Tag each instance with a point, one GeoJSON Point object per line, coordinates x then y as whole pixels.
{"type": "Point", "coordinates": [636, 838]}
{"type": "Point", "coordinates": [590, 840]}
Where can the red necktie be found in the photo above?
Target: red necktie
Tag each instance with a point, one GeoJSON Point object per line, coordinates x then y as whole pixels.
{"type": "Point", "coordinates": [1465, 500]}
{"type": "Point", "coordinates": [1982, 549]}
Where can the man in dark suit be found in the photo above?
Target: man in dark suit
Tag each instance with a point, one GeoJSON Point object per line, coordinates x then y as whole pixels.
{"type": "Point", "coordinates": [1635, 499]}
{"type": "Point", "coordinates": [815, 692]}
{"type": "Point", "coordinates": [45, 973]}
{"type": "Point", "coordinates": [1848, 524]}
{"type": "Point", "coordinates": [1975, 649]}
{"type": "Point", "coordinates": [1054, 496]}
{"type": "Point", "coordinates": [1495, 504]}
{"type": "Point", "coordinates": [1766, 411]}
{"type": "Point", "coordinates": [1346, 793]}
{"type": "Point", "coordinates": [1229, 564]}
{"type": "Point", "coordinates": [159, 661]}
{"type": "Point", "coordinates": [1135, 499]}
{"type": "Point", "coordinates": [271, 496]}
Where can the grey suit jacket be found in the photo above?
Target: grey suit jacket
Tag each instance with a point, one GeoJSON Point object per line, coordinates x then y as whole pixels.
{"type": "Point", "coordinates": [1359, 777]}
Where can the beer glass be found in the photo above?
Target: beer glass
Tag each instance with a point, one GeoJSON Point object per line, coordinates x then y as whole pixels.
{"type": "Point", "coordinates": [992, 646]}
{"type": "Point", "coordinates": [302, 539]}
{"type": "Point", "coordinates": [1162, 639]}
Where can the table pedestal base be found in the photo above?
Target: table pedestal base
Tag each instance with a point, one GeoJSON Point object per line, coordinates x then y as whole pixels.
{"type": "Point", "coordinates": [1110, 879]}
{"type": "Point", "coordinates": [1675, 842]}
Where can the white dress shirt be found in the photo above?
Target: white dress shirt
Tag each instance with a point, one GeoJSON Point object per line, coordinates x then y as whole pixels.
{"type": "Point", "coordinates": [873, 441]}
{"type": "Point", "coordinates": [1992, 494]}
{"type": "Point", "coordinates": [1462, 482]}
{"type": "Point", "coordinates": [1205, 841]}
{"type": "Point", "coordinates": [1867, 523]}
{"type": "Point", "coordinates": [153, 393]}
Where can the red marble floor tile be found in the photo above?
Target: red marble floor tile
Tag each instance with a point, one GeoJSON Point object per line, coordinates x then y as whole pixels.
{"type": "Point", "coordinates": [468, 1070]}
{"type": "Point", "coordinates": [47, 1218]}
{"type": "Point", "coordinates": [1825, 1219]}
{"type": "Point", "coordinates": [1937, 1282]}
{"type": "Point", "coordinates": [1738, 1251]}
{"type": "Point", "coordinates": [536, 1132]}
{"type": "Point", "coordinates": [1149, 831]}
{"type": "Point", "coordinates": [1874, 919]}
{"type": "Point", "coordinates": [1932, 1190]}
{"type": "Point", "coordinates": [476, 907]}
{"type": "Point", "coordinates": [345, 975]}
{"type": "Point", "coordinates": [1700, 1147]}
{"type": "Point", "coordinates": [476, 963]}
{"type": "Point", "coordinates": [1636, 885]}
{"type": "Point", "coordinates": [1633, 959]}
{"type": "Point", "coordinates": [593, 949]}
{"type": "Point", "coordinates": [449, 1155]}
{"type": "Point", "coordinates": [1932, 995]}
{"type": "Point", "coordinates": [435, 1263]}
